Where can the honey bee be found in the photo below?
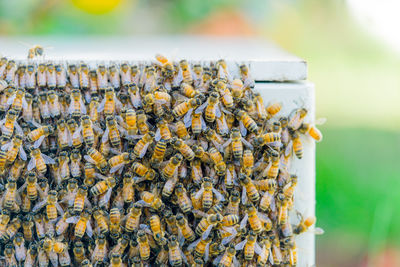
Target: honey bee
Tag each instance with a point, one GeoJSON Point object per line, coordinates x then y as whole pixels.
{"type": "Point", "coordinates": [245, 122]}
{"type": "Point", "coordinates": [237, 142]}
{"type": "Point", "coordinates": [311, 130]}
{"type": "Point", "coordinates": [149, 199]}
{"type": "Point", "coordinates": [117, 162]}
{"type": "Point", "coordinates": [206, 193]}
{"type": "Point", "coordinates": [73, 75]}
{"type": "Point", "coordinates": [172, 166]}
{"type": "Point", "coordinates": [125, 72]}
{"type": "Point", "coordinates": [82, 224]}
{"type": "Point", "coordinates": [174, 253]}
{"type": "Point", "coordinates": [185, 109]}
{"type": "Point", "coordinates": [219, 164]}
{"type": "Point", "coordinates": [52, 206]}
{"type": "Point", "coordinates": [39, 161]}
{"type": "Point", "coordinates": [35, 51]}
{"type": "Point", "coordinates": [9, 255]}
{"type": "Point", "coordinates": [14, 148]}
{"type": "Point", "coordinates": [305, 224]}
{"type": "Point", "coordinates": [11, 229]}
{"type": "Point", "coordinates": [297, 145]}
{"type": "Point", "coordinates": [11, 196]}
{"type": "Point", "coordinates": [144, 247]}
{"type": "Point", "coordinates": [141, 146]}
{"type": "Point", "coordinates": [110, 103]}
{"type": "Point", "coordinates": [183, 200]}
{"type": "Point", "coordinates": [95, 157]}
{"type": "Point", "coordinates": [134, 95]}
{"type": "Point", "coordinates": [77, 106]}
{"type": "Point", "coordinates": [206, 224]}
{"type": "Point", "coordinates": [104, 186]}
{"type": "Point", "coordinates": [112, 132]}
{"type": "Point", "coordinates": [159, 152]}
{"type": "Point", "coordinates": [61, 76]}
{"type": "Point", "coordinates": [100, 251]}
{"type": "Point", "coordinates": [9, 123]}
{"type": "Point", "coordinates": [132, 218]}
{"type": "Point", "coordinates": [228, 258]}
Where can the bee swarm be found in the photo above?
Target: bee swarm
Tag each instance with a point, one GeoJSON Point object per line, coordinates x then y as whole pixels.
{"type": "Point", "coordinates": [160, 163]}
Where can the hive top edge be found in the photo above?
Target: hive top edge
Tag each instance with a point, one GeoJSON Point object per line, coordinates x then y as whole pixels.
{"type": "Point", "coordinates": [267, 61]}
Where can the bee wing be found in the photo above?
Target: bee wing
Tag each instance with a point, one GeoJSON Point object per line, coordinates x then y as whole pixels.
{"type": "Point", "coordinates": [116, 167]}
{"type": "Point", "coordinates": [40, 191]}
{"type": "Point", "coordinates": [48, 160]}
{"type": "Point", "coordinates": [22, 187]}
{"type": "Point", "coordinates": [89, 159]}
{"type": "Point", "coordinates": [59, 209]}
{"type": "Point", "coordinates": [160, 101]}
{"type": "Point", "coordinates": [194, 244]}
{"type": "Point", "coordinates": [218, 113]}
{"type": "Point", "coordinates": [104, 138]}
{"type": "Point", "coordinates": [87, 203]}
{"type": "Point", "coordinates": [217, 259]}
{"type": "Point", "coordinates": [320, 121]}
{"type": "Point", "coordinates": [200, 213]}
{"type": "Point", "coordinates": [89, 229]}
{"type": "Point", "coordinates": [138, 179]}
{"type": "Point", "coordinates": [6, 146]}
{"type": "Point", "coordinates": [199, 193]}
{"type": "Point", "coordinates": [22, 153]}
{"type": "Point", "coordinates": [88, 97]}
{"type": "Point", "coordinates": [207, 232]}
{"type": "Point", "coordinates": [223, 126]}
{"type": "Point", "coordinates": [227, 143]}
{"type": "Point", "coordinates": [244, 195]}
{"type": "Point", "coordinates": [83, 107]}
{"type": "Point", "coordinates": [71, 106]}
{"type": "Point", "coordinates": [246, 143]}
{"type": "Point", "coordinates": [187, 119]}
{"type": "Point", "coordinates": [39, 205]}
{"type": "Point", "coordinates": [144, 150]}
{"type": "Point", "coordinates": [219, 196]}
{"type": "Point", "coordinates": [206, 252]}
{"type": "Point", "coordinates": [289, 148]}
{"type": "Point", "coordinates": [240, 246]}
{"type": "Point", "coordinates": [18, 128]}
{"type": "Point", "coordinates": [242, 128]}
{"type": "Point", "coordinates": [72, 219]}
{"type": "Point", "coordinates": [229, 238]}
{"type": "Point", "coordinates": [243, 222]}
{"type": "Point", "coordinates": [100, 108]}
{"type": "Point", "coordinates": [39, 141]}
{"type": "Point", "coordinates": [118, 103]}
{"type": "Point", "coordinates": [2, 122]}
{"type": "Point", "coordinates": [143, 203]}
{"type": "Point", "coordinates": [228, 176]}
{"type": "Point", "coordinates": [77, 132]}
{"type": "Point", "coordinates": [318, 231]}
{"type": "Point", "coordinates": [203, 123]}
{"type": "Point", "coordinates": [36, 124]}
{"type": "Point", "coordinates": [235, 262]}
{"type": "Point", "coordinates": [31, 164]}
{"type": "Point", "coordinates": [157, 136]}
{"type": "Point", "coordinates": [201, 108]}
{"type": "Point", "coordinates": [107, 195]}
{"type": "Point", "coordinates": [97, 129]}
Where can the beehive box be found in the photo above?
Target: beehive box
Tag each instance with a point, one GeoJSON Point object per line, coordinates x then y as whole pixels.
{"type": "Point", "coordinates": [278, 75]}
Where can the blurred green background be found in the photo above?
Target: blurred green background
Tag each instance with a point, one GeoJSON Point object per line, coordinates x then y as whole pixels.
{"type": "Point", "coordinates": [357, 80]}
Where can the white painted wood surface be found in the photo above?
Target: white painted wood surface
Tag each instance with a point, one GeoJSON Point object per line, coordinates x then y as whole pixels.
{"type": "Point", "coordinates": [267, 61]}
{"type": "Point", "coordinates": [292, 95]}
